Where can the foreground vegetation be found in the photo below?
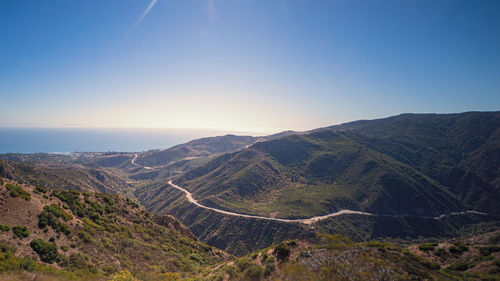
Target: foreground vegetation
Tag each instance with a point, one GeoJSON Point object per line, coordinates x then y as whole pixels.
{"type": "Point", "coordinates": [93, 236]}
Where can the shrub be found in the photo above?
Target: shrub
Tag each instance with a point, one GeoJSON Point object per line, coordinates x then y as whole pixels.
{"type": "Point", "coordinates": [62, 261]}
{"type": "Point", "coordinates": [196, 258]}
{"type": "Point", "coordinates": [17, 191]}
{"type": "Point", "coordinates": [242, 263]}
{"type": "Point", "coordinates": [49, 217]}
{"type": "Point", "coordinates": [123, 275]}
{"type": "Point", "coordinates": [269, 265]}
{"type": "Point", "coordinates": [72, 198]}
{"type": "Point", "coordinates": [4, 227]}
{"type": "Point", "coordinates": [57, 212]}
{"type": "Point", "coordinates": [108, 199]}
{"type": "Point", "coordinates": [282, 252]}
{"type": "Point", "coordinates": [424, 262]}
{"type": "Point", "coordinates": [458, 249]}
{"type": "Point", "coordinates": [46, 251]}
{"type": "Point", "coordinates": [426, 247]}
{"type": "Point", "coordinates": [300, 272]}
{"type": "Point", "coordinates": [64, 248]}
{"type": "Point", "coordinates": [108, 269]}
{"type": "Point", "coordinates": [253, 272]}
{"type": "Point", "coordinates": [77, 260]}
{"type": "Point", "coordinates": [486, 251]}
{"type": "Point", "coordinates": [441, 252]}
{"type": "Point", "coordinates": [26, 263]}
{"type": "Point", "coordinates": [40, 189]}
{"type": "Point", "coordinates": [20, 231]}
{"type": "Point", "coordinates": [64, 228]}
{"type": "Point", "coordinates": [335, 241]}
{"type": "Point", "coordinates": [460, 266]}
{"type": "Point", "coordinates": [84, 236]}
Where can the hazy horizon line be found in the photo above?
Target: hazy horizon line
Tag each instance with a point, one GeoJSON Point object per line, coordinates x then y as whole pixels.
{"type": "Point", "coordinates": [261, 130]}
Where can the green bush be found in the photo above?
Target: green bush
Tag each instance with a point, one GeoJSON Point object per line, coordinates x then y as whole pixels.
{"type": "Point", "coordinates": [282, 252]}
{"type": "Point", "coordinates": [64, 248]}
{"type": "Point", "coordinates": [72, 198]}
{"type": "Point", "coordinates": [460, 266]}
{"type": "Point", "coordinates": [269, 266]}
{"type": "Point", "coordinates": [458, 248]}
{"type": "Point", "coordinates": [84, 236]}
{"type": "Point", "coordinates": [253, 272]}
{"type": "Point", "coordinates": [77, 260]}
{"type": "Point", "coordinates": [40, 189]}
{"type": "Point", "coordinates": [123, 275]}
{"type": "Point", "coordinates": [17, 191]}
{"type": "Point", "coordinates": [20, 231]}
{"type": "Point", "coordinates": [441, 252]}
{"type": "Point", "coordinates": [49, 218]}
{"type": "Point", "coordinates": [108, 269]}
{"type": "Point", "coordinates": [4, 227]}
{"type": "Point", "coordinates": [196, 258]}
{"type": "Point", "coordinates": [57, 212]}
{"type": "Point", "coordinates": [242, 263]}
{"type": "Point", "coordinates": [26, 263]}
{"type": "Point", "coordinates": [426, 247]}
{"type": "Point", "coordinates": [46, 251]}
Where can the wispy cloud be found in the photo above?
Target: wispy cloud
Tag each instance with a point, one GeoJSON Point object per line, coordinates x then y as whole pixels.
{"type": "Point", "coordinates": [211, 11]}
{"type": "Point", "coordinates": [150, 6]}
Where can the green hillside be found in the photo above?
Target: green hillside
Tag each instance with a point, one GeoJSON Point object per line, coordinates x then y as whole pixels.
{"type": "Point", "coordinates": [197, 148]}
{"type": "Point", "coordinates": [64, 177]}
{"type": "Point", "coordinates": [409, 164]}
{"type": "Point", "coordinates": [90, 236]}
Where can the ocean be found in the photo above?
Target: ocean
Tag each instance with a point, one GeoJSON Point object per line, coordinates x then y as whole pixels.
{"type": "Point", "coordinates": [33, 140]}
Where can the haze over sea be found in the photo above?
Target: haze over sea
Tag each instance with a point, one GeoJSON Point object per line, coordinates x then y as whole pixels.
{"type": "Point", "coordinates": [61, 140]}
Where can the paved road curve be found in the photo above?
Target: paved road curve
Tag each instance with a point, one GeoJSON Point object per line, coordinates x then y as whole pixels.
{"type": "Point", "coordinates": [190, 198]}
{"type": "Point", "coordinates": [161, 166]}
{"type": "Point", "coordinates": [308, 221]}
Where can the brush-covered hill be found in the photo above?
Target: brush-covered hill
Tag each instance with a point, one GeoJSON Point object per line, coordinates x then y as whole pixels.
{"type": "Point", "coordinates": [409, 164]}
{"type": "Point", "coordinates": [336, 257]}
{"type": "Point", "coordinates": [196, 148]}
{"type": "Point", "coordinates": [64, 177]}
{"type": "Point", "coordinates": [90, 236]}
{"type": "Point", "coordinates": [461, 151]}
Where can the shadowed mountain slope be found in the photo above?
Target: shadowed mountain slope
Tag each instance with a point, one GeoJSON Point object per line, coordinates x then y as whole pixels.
{"type": "Point", "coordinates": [408, 164]}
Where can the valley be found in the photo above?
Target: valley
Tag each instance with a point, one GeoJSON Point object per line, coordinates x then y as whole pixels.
{"type": "Point", "coordinates": [407, 179]}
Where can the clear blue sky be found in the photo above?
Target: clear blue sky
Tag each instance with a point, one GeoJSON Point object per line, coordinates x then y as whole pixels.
{"type": "Point", "coordinates": [243, 65]}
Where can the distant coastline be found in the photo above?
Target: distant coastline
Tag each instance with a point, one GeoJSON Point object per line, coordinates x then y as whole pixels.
{"type": "Point", "coordinates": [67, 140]}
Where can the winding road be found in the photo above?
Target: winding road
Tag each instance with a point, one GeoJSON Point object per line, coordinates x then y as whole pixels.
{"type": "Point", "coordinates": [157, 167]}
{"type": "Point", "coordinates": [308, 221]}
{"type": "Point", "coordinates": [133, 163]}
